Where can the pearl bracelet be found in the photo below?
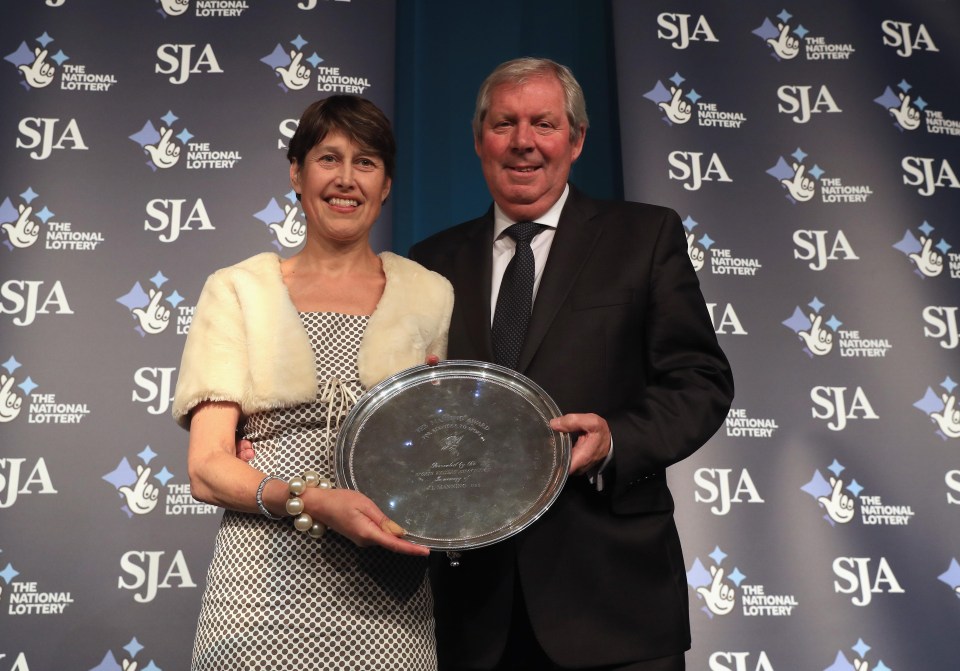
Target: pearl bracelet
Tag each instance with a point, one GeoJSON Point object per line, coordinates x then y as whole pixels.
{"type": "Point", "coordinates": [263, 508]}
{"type": "Point", "coordinates": [301, 520]}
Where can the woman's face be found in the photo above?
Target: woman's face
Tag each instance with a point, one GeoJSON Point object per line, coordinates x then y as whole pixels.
{"type": "Point", "coordinates": [341, 187]}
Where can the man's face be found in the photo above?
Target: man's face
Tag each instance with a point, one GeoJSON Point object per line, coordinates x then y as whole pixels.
{"type": "Point", "coordinates": [524, 147]}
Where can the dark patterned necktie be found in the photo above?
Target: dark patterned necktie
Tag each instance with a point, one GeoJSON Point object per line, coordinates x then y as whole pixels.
{"type": "Point", "coordinates": [515, 300]}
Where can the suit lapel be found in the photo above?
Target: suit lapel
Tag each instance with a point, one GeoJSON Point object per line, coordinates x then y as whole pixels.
{"type": "Point", "coordinates": [574, 241]}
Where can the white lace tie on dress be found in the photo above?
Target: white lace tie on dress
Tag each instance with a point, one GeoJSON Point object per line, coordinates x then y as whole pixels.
{"type": "Point", "coordinates": [339, 399]}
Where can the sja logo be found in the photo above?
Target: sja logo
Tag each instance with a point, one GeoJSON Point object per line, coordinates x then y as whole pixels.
{"type": "Point", "coordinates": [813, 246]}
{"type": "Point", "coordinates": [739, 661]}
{"type": "Point", "coordinates": [952, 479]}
{"type": "Point", "coordinates": [928, 175]}
{"type": "Point", "coordinates": [170, 216]}
{"type": "Point", "coordinates": [28, 298]}
{"type": "Point", "coordinates": [179, 61]}
{"type": "Point", "coordinates": [147, 572]}
{"type": "Point", "coordinates": [941, 324]}
{"type": "Point", "coordinates": [831, 404]}
{"type": "Point", "coordinates": [856, 577]}
{"type": "Point", "coordinates": [18, 477]}
{"type": "Point", "coordinates": [155, 387]}
{"type": "Point", "coordinates": [677, 29]}
{"type": "Point", "coordinates": [44, 135]}
{"type": "Point", "coordinates": [726, 321]}
{"type": "Point", "coordinates": [906, 38]}
{"type": "Point", "coordinates": [688, 167]}
{"type": "Point", "coordinates": [714, 485]}
{"type": "Point", "coordinates": [801, 103]}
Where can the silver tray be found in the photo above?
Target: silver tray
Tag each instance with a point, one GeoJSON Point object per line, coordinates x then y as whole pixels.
{"type": "Point", "coordinates": [460, 454]}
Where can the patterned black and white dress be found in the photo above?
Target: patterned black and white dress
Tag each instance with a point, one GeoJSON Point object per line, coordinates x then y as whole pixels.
{"type": "Point", "coordinates": [278, 599]}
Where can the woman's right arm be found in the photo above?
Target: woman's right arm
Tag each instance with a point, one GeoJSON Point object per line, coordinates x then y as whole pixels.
{"type": "Point", "coordinates": [218, 477]}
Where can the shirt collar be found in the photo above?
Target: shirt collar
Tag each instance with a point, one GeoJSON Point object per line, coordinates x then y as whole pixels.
{"type": "Point", "coordinates": [551, 217]}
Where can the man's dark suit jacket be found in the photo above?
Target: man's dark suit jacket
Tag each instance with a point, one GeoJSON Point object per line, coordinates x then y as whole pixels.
{"type": "Point", "coordinates": [619, 328]}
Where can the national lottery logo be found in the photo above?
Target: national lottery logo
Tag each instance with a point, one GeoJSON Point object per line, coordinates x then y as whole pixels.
{"type": "Point", "coordinates": [164, 148]}
{"type": "Point", "coordinates": [38, 68]}
{"type": "Point", "coordinates": [11, 400]}
{"type": "Point", "coordinates": [927, 257]}
{"type": "Point", "coordinates": [720, 590]}
{"type": "Point", "coordinates": [787, 39]}
{"type": "Point", "coordinates": [207, 8]}
{"type": "Point", "coordinates": [722, 260]}
{"type": "Point", "coordinates": [152, 309]}
{"type": "Point", "coordinates": [819, 335]}
{"type": "Point", "coordinates": [22, 224]}
{"type": "Point", "coordinates": [42, 408]}
{"type": "Point", "coordinates": [905, 109]}
{"type": "Point", "coordinates": [139, 488]}
{"type": "Point", "coordinates": [127, 659]}
{"type": "Point", "coordinates": [25, 597]}
{"type": "Point", "coordinates": [943, 409]}
{"type": "Point", "coordinates": [801, 183]}
{"type": "Point", "coordinates": [838, 494]}
{"type": "Point", "coordinates": [284, 222]}
{"type": "Point", "coordinates": [295, 70]}
{"type": "Point", "coordinates": [951, 577]}
{"type": "Point", "coordinates": [678, 106]}
{"type": "Point", "coordinates": [860, 661]}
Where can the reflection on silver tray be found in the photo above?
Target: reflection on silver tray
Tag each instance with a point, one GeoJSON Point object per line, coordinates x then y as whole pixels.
{"type": "Point", "coordinates": [460, 454]}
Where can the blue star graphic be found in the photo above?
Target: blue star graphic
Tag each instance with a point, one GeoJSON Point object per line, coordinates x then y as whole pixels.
{"type": "Point", "coordinates": [834, 323]}
{"type": "Point", "coordinates": [836, 468]}
{"type": "Point", "coordinates": [904, 86]}
{"type": "Point", "coordinates": [799, 154]}
{"type": "Point", "coordinates": [151, 667]}
{"type": "Point", "coordinates": [133, 647]}
{"type": "Point", "coordinates": [271, 214]}
{"type": "Point", "coordinates": [60, 57]}
{"type": "Point", "coordinates": [925, 228]}
{"type": "Point", "coordinates": [147, 454]}
{"type": "Point", "coordinates": [800, 31]}
{"type": "Point", "coordinates": [689, 223]}
{"type": "Point", "coordinates": [29, 195]}
{"type": "Point", "coordinates": [44, 39]}
{"type": "Point", "coordinates": [314, 59]}
{"type": "Point", "coordinates": [108, 663]}
{"type": "Point", "coordinates": [920, 103]}
{"type": "Point", "coordinates": [44, 214]}
{"type": "Point", "coordinates": [11, 365]}
{"type": "Point", "coordinates": [158, 279]}
{"type": "Point", "coordinates": [9, 573]}
{"type": "Point", "coordinates": [951, 576]}
{"type": "Point", "coordinates": [854, 488]}
{"type": "Point", "coordinates": [169, 118]}
{"type": "Point", "coordinates": [816, 305]}
{"type": "Point", "coordinates": [298, 42]}
{"type": "Point", "coordinates": [948, 384]}
{"type": "Point", "coordinates": [28, 386]}
{"type": "Point", "coordinates": [880, 666]}
{"type": "Point", "coordinates": [291, 196]}
{"type": "Point", "coordinates": [816, 171]}
{"type": "Point", "coordinates": [784, 16]}
{"type": "Point", "coordinates": [122, 475]}
{"type": "Point", "coordinates": [163, 476]}
{"type": "Point", "coordinates": [861, 648]}
{"type": "Point", "coordinates": [736, 577]}
{"type": "Point", "coordinates": [943, 246]}
{"type": "Point", "coordinates": [693, 96]}
{"type": "Point", "coordinates": [706, 241]}
{"type": "Point", "coordinates": [185, 136]}
{"type": "Point", "coordinates": [717, 555]}
{"type": "Point", "coordinates": [175, 298]}
{"type": "Point", "coordinates": [677, 79]}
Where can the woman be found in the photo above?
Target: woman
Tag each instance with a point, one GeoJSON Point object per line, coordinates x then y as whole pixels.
{"type": "Point", "coordinates": [278, 351]}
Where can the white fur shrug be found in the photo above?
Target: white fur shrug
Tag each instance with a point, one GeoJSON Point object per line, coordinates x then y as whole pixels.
{"type": "Point", "coordinates": [247, 344]}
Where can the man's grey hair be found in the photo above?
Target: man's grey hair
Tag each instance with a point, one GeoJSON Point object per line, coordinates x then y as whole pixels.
{"type": "Point", "coordinates": [521, 70]}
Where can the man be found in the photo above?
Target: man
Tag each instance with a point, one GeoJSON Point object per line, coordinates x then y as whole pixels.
{"type": "Point", "coordinates": [620, 338]}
